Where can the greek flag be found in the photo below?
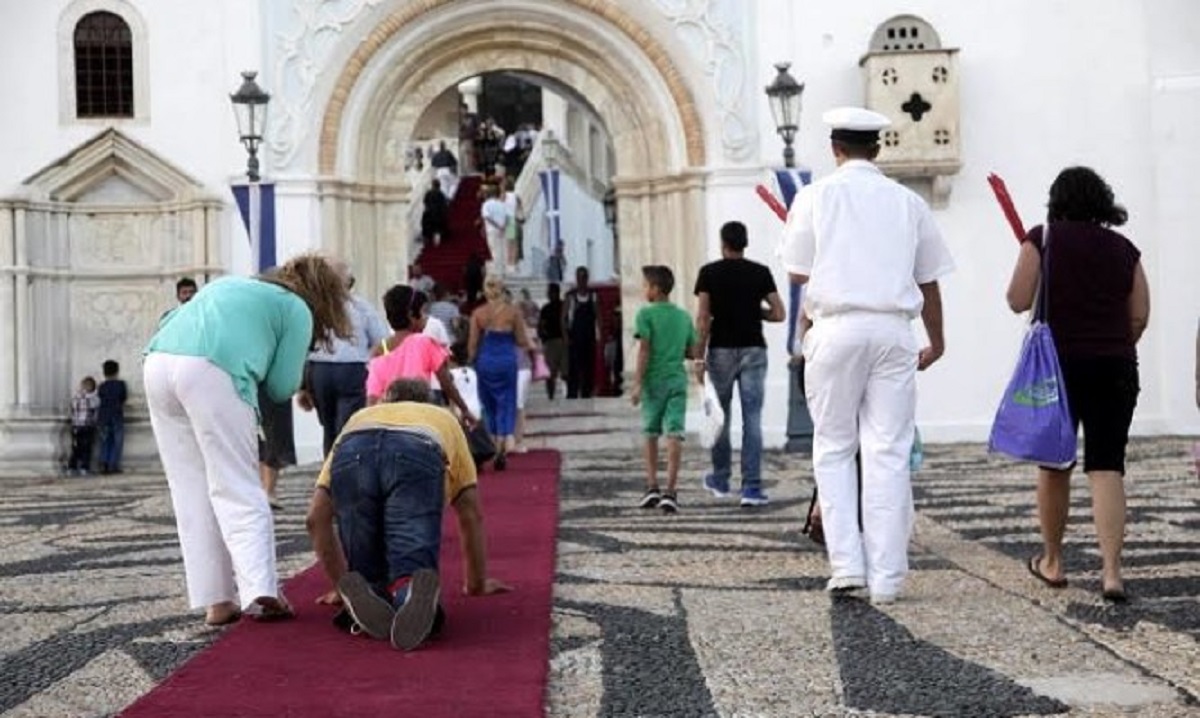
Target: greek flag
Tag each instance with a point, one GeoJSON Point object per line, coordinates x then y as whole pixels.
{"type": "Point", "coordinates": [549, 179]}
{"type": "Point", "coordinates": [258, 214]}
{"type": "Point", "coordinates": [788, 182]}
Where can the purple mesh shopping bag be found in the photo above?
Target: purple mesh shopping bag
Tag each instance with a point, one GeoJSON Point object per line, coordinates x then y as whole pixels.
{"type": "Point", "coordinates": [1034, 421]}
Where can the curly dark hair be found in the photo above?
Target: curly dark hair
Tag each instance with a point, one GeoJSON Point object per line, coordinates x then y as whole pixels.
{"type": "Point", "coordinates": [1080, 195]}
{"type": "Point", "coordinates": [402, 304]}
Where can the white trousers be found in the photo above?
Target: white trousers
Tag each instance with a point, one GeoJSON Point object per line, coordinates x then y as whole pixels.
{"type": "Point", "coordinates": [860, 382]}
{"type": "Point", "coordinates": [497, 245]}
{"type": "Point", "coordinates": [207, 441]}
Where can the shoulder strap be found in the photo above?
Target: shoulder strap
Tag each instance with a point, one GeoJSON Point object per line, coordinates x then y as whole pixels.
{"type": "Point", "coordinates": [1041, 302]}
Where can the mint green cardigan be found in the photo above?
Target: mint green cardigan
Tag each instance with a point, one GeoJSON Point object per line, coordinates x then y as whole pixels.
{"type": "Point", "coordinates": [257, 332]}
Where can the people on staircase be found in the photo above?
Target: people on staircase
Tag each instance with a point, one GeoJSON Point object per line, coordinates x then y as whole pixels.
{"type": "Point", "coordinates": [514, 221]}
{"type": "Point", "coordinates": [550, 333]}
{"type": "Point", "coordinates": [581, 313]}
{"type": "Point", "coordinates": [493, 217]}
{"type": "Point", "coordinates": [445, 168]}
{"type": "Point", "coordinates": [436, 215]}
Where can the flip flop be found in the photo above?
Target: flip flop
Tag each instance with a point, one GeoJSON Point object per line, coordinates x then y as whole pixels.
{"type": "Point", "coordinates": [1035, 567]}
{"type": "Point", "coordinates": [273, 609]}
{"type": "Point", "coordinates": [1114, 595]}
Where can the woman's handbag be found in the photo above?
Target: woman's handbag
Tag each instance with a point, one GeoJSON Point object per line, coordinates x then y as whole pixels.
{"type": "Point", "coordinates": [483, 449]}
{"type": "Point", "coordinates": [1033, 423]}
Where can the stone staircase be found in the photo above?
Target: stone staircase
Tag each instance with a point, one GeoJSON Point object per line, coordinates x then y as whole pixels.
{"type": "Point", "coordinates": [600, 424]}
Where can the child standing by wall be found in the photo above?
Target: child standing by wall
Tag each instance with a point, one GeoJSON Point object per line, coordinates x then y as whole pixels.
{"type": "Point", "coordinates": [665, 337]}
{"type": "Point", "coordinates": [110, 418]}
{"type": "Point", "coordinates": [83, 426]}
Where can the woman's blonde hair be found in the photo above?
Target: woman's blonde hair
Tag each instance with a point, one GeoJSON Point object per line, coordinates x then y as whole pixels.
{"type": "Point", "coordinates": [312, 278]}
{"type": "Point", "coordinates": [493, 288]}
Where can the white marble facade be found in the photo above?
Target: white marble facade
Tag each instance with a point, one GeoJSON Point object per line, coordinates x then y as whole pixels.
{"type": "Point", "coordinates": [95, 243]}
{"type": "Point", "coordinates": [98, 217]}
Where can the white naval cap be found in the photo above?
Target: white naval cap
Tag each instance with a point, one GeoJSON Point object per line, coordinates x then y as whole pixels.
{"type": "Point", "coordinates": [855, 125]}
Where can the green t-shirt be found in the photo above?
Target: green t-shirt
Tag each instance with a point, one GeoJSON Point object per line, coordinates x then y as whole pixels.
{"type": "Point", "coordinates": [670, 332]}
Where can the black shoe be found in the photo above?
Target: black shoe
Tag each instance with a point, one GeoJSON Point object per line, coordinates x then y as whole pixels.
{"type": "Point", "coordinates": [414, 620]}
{"type": "Point", "coordinates": [500, 463]}
{"type": "Point", "coordinates": [668, 503]}
{"type": "Point", "coordinates": [650, 499]}
{"type": "Point", "coordinates": [370, 611]}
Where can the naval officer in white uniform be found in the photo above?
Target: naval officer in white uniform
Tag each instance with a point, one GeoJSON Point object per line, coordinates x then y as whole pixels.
{"type": "Point", "coordinates": [870, 254]}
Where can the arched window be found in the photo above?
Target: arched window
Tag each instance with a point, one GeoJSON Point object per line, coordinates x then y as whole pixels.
{"type": "Point", "coordinates": [103, 66]}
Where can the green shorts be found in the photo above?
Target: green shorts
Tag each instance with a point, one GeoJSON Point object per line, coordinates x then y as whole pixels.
{"type": "Point", "coordinates": [664, 407]}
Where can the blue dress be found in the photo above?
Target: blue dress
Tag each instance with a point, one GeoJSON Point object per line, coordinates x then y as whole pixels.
{"type": "Point", "coordinates": [496, 366]}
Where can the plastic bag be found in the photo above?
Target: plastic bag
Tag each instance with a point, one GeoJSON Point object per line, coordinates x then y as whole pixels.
{"type": "Point", "coordinates": [714, 416]}
{"type": "Point", "coordinates": [1034, 422]}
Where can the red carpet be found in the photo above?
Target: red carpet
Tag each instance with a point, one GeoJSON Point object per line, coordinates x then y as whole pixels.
{"type": "Point", "coordinates": [446, 261]}
{"type": "Point", "coordinates": [491, 659]}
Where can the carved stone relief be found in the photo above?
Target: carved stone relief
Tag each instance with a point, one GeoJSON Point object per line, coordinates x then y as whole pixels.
{"type": "Point", "coordinates": [110, 241]}
{"type": "Point", "coordinates": [713, 31]}
{"type": "Point", "coordinates": [114, 322]}
{"type": "Point", "coordinates": [302, 49]}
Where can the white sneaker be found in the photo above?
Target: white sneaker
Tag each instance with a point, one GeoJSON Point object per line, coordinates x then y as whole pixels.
{"type": "Point", "coordinates": [845, 584]}
{"type": "Point", "coordinates": [883, 599]}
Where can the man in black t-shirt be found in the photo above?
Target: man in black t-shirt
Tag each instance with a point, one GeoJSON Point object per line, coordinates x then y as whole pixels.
{"type": "Point", "coordinates": [736, 296]}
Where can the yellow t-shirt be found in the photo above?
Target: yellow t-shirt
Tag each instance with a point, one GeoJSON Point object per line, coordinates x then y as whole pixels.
{"type": "Point", "coordinates": [432, 420]}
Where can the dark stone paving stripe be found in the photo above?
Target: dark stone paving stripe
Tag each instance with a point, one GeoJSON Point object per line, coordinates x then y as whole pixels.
{"type": "Point", "coordinates": [884, 668]}
{"type": "Point", "coordinates": [649, 667]}
{"type": "Point", "coordinates": [37, 667]}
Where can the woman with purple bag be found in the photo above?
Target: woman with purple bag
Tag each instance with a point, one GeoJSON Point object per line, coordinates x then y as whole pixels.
{"type": "Point", "coordinates": [1097, 306]}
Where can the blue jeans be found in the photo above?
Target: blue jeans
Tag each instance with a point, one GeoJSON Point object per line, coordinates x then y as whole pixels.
{"type": "Point", "coordinates": [338, 390]}
{"type": "Point", "coordinates": [387, 488]}
{"type": "Point", "coordinates": [112, 441]}
{"type": "Point", "coordinates": [747, 366]}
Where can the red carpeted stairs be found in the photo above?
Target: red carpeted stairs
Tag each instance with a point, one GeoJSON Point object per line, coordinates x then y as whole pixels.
{"type": "Point", "coordinates": [445, 262]}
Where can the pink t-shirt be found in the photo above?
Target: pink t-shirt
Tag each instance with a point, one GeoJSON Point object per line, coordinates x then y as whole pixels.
{"type": "Point", "coordinates": [418, 357]}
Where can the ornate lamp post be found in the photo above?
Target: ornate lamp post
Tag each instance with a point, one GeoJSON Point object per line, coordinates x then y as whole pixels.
{"type": "Point", "coordinates": [250, 109]}
{"type": "Point", "coordinates": [784, 95]}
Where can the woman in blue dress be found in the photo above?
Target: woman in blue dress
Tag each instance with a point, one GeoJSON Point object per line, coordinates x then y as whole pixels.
{"type": "Point", "coordinates": [497, 330]}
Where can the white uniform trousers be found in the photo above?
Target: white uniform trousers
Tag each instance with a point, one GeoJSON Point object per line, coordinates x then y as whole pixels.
{"type": "Point", "coordinates": [860, 382]}
{"type": "Point", "coordinates": [207, 440]}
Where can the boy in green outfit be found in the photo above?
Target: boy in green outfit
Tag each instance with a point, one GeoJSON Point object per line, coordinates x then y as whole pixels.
{"type": "Point", "coordinates": [666, 336]}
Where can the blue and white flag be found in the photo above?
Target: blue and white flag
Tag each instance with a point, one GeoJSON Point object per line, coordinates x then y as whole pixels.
{"type": "Point", "coordinates": [553, 203]}
{"type": "Point", "coordinates": [266, 221]}
{"type": "Point", "coordinates": [788, 181]}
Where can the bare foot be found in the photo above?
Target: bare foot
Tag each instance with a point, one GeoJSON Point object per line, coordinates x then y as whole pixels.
{"type": "Point", "coordinates": [222, 614]}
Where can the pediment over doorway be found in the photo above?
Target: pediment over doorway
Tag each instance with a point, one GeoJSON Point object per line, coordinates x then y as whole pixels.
{"type": "Point", "coordinates": [113, 169]}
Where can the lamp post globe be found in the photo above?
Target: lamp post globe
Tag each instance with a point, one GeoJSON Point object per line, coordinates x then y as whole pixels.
{"type": "Point", "coordinates": [250, 110]}
{"type": "Point", "coordinates": [784, 95]}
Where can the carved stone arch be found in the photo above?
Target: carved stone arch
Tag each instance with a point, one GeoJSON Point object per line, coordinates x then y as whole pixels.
{"type": "Point", "coordinates": [603, 35]}
{"type": "Point", "coordinates": [417, 51]}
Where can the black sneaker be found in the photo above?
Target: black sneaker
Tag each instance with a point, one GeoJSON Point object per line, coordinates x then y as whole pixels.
{"type": "Point", "coordinates": [650, 499]}
{"type": "Point", "coordinates": [415, 619]}
{"type": "Point", "coordinates": [369, 610]}
{"type": "Point", "coordinates": [668, 503]}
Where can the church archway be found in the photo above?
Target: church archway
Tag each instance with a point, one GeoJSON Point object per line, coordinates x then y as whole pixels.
{"type": "Point", "coordinates": [413, 55]}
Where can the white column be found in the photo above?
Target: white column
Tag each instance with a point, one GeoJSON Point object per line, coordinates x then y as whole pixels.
{"type": "Point", "coordinates": [8, 324]}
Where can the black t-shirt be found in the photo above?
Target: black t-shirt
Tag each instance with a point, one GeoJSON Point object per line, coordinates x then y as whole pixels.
{"type": "Point", "coordinates": [736, 289]}
{"type": "Point", "coordinates": [550, 321]}
{"type": "Point", "coordinates": [1090, 280]}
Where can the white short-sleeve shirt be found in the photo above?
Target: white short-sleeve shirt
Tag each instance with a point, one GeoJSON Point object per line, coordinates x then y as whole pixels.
{"type": "Point", "coordinates": [865, 242]}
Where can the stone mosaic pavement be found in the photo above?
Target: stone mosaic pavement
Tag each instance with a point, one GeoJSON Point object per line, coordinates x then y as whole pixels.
{"type": "Point", "coordinates": [717, 611]}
